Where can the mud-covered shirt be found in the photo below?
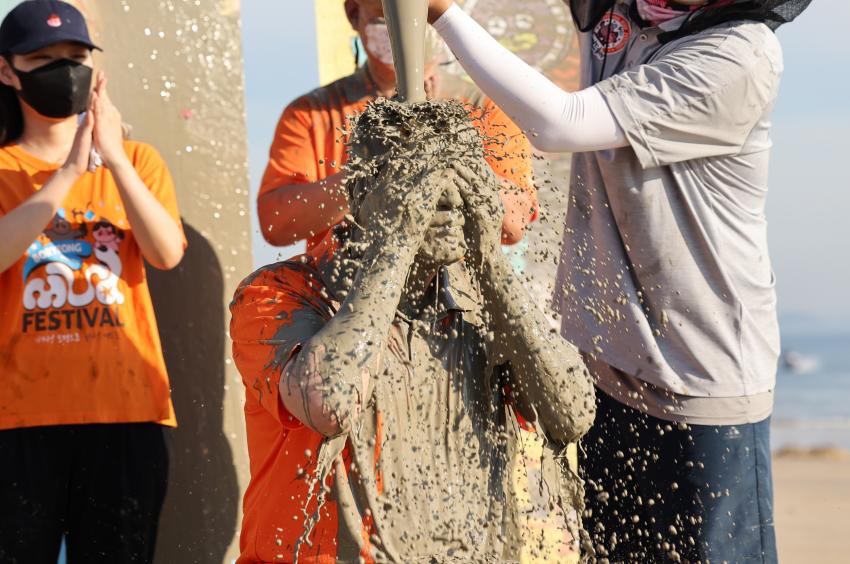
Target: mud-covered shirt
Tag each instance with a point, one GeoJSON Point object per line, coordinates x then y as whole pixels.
{"type": "Point", "coordinates": [421, 477]}
{"type": "Point", "coordinates": [78, 336]}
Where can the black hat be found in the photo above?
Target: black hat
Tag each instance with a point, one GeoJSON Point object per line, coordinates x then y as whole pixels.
{"type": "Point", "coordinates": [34, 24]}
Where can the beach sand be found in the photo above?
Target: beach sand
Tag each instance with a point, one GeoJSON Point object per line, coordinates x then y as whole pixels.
{"type": "Point", "coordinates": [812, 493]}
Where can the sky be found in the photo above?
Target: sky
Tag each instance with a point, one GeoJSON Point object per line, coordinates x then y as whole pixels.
{"type": "Point", "coordinates": [279, 67]}
{"type": "Point", "coordinates": [809, 200]}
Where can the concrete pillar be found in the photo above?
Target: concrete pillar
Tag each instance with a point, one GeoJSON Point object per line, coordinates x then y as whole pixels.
{"type": "Point", "coordinates": [175, 70]}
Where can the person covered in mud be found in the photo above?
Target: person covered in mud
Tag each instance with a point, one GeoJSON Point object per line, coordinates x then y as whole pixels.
{"type": "Point", "coordinates": [384, 377]}
{"type": "Point", "coordinates": [664, 282]}
{"type": "Point", "coordinates": [84, 392]}
{"type": "Point", "coordinates": [301, 195]}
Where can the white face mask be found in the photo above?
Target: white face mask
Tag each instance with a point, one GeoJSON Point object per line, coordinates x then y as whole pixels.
{"type": "Point", "coordinates": [376, 40]}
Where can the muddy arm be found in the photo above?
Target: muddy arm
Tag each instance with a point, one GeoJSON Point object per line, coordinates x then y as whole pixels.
{"type": "Point", "coordinates": [548, 376]}
{"type": "Point", "coordinates": [326, 385]}
{"type": "Point", "coordinates": [330, 380]}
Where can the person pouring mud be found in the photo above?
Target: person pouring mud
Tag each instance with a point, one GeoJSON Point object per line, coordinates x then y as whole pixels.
{"type": "Point", "coordinates": [665, 281]}
{"type": "Point", "coordinates": [386, 378]}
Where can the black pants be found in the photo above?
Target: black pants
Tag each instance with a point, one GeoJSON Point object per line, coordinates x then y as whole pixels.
{"type": "Point", "coordinates": [659, 492]}
{"type": "Point", "coordinates": [102, 486]}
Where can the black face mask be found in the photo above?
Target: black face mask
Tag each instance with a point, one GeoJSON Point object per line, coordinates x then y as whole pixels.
{"type": "Point", "coordinates": [58, 90]}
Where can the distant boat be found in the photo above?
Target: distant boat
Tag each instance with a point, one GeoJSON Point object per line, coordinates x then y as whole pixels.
{"type": "Point", "coordinates": [799, 363]}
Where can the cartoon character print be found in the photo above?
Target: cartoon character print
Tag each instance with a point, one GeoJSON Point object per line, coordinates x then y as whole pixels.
{"type": "Point", "coordinates": [64, 256]}
{"type": "Point", "coordinates": [60, 229]}
{"type": "Point", "coordinates": [108, 240]}
{"type": "Point", "coordinates": [107, 236]}
{"type": "Point", "coordinates": [538, 31]}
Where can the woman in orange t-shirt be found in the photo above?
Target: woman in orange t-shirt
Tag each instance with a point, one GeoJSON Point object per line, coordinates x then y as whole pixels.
{"type": "Point", "coordinates": [84, 395]}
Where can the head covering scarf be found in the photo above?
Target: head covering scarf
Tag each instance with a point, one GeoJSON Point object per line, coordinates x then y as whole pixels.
{"type": "Point", "coordinates": [658, 11]}
{"type": "Point", "coordinates": [773, 13]}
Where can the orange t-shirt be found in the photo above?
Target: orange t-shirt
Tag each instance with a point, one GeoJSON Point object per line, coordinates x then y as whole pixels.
{"type": "Point", "coordinates": [77, 327]}
{"type": "Point", "coordinates": [309, 143]}
{"type": "Point", "coordinates": [282, 450]}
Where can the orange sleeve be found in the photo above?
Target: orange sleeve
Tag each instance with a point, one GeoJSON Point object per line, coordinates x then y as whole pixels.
{"type": "Point", "coordinates": [154, 173]}
{"type": "Point", "coordinates": [274, 312]}
{"type": "Point", "coordinates": [292, 157]}
{"type": "Point", "coordinates": [507, 150]}
{"type": "Point", "coordinates": [8, 178]}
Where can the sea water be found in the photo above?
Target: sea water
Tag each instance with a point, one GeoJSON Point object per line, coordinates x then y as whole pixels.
{"type": "Point", "coordinates": [813, 409]}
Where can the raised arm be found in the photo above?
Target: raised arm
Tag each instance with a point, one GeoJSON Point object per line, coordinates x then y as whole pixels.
{"type": "Point", "coordinates": [299, 197]}
{"type": "Point", "coordinates": [553, 119]}
{"type": "Point", "coordinates": [509, 154]}
{"type": "Point", "coordinates": [520, 206]}
{"type": "Point", "coordinates": [20, 227]}
{"type": "Point", "coordinates": [548, 376]}
{"type": "Point", "coordinates": [328, 382]}
{"type": "Point", "coordinates": [157, 233]}
{"type": "Point", "coordinates": [293, 212]}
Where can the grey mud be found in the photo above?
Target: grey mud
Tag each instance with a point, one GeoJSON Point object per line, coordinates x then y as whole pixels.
{"type": "Point", "coordinates": [434, 350]}
{"type": "Point", "coordinates": [407, 21]}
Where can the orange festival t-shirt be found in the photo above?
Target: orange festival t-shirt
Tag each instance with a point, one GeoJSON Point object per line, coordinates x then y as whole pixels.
{"type": "Point", "coordinates": [77, 327]}
{"type": "Point", "coordinates": [309, 143]}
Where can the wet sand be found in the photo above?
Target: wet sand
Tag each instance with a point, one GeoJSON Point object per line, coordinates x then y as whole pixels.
{"type": "Point", "coordinates": [812, 493]}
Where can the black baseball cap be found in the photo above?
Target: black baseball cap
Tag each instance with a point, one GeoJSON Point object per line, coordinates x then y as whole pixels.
{"type": "Point", "coordinates": [34, 24]}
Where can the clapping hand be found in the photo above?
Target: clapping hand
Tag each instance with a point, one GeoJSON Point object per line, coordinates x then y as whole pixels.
{"type": "Point", "coordinates": [483, 209]}
{"type": "Point", "coordinates": [108, 129]}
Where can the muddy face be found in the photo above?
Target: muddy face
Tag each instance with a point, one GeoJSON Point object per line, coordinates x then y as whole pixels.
{"type": "Point", "coordinates": [444, 243]}
{"type": "Point", "coordinates": [402, 153]}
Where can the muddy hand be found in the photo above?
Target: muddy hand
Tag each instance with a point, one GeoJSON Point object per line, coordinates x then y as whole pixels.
{"type": "Point", "coordinates": [400, 208]}
{"type": "Point", "coordinates": [444, 242]}
{"type": "Point", "coordinates": [483, 209]}
{"type": "Point", "coordinates": [450, 205]}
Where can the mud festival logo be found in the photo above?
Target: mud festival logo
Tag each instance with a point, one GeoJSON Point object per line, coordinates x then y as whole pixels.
{"type": "Point", "coordinates": [72, 266]}
{"type": "Point", "coordinates": [611, 35]}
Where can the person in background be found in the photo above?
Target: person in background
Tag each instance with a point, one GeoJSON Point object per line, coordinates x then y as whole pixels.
{"type": "Point", "coordinates": [84, 394]}
{"type": "Point", "coordinates": [665, 281]}
{"type": "Point", "coordinates": [301, 195]}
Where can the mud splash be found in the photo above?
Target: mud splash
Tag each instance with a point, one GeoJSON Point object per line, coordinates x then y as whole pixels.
{"type": "Point", "coordinates": [407, 22]}
{"type": "Point", "coordinates": [430, 359]}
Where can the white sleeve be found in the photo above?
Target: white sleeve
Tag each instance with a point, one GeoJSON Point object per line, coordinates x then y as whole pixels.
{"type": "Point", "coordinates": [554, 120]}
